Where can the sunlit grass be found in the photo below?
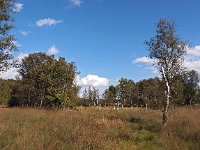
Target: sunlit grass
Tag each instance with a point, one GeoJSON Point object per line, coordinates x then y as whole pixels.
{"type": "Point", "coordinates": [91, 128]}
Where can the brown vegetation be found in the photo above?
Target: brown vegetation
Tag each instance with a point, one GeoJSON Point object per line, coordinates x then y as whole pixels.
{"type": "Point", "coordinates": [91, 128]}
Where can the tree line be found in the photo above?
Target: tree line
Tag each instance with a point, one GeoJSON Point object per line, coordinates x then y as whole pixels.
{"type": "Point", "coordinates": [147, 93]}
{"type": "Point", "coordinates": [48, 82]}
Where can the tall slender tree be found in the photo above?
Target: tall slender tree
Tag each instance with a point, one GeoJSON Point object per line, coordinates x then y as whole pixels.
{"type": "Point", "coordinates": [168, 50]}
{"type": "Point", "coordinates": [7, 44]}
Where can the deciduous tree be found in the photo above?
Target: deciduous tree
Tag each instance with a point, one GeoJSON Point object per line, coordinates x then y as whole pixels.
{"type": "Point", "coordinates": [168, 50]}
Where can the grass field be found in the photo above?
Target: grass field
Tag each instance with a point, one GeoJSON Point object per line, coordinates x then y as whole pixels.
{"type": "Point", "coordinates": [90, 128]}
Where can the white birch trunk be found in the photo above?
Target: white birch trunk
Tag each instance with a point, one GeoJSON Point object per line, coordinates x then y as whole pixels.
{"type": "Point", "coordinates": [166, 103]}
{"type": "Point", "coordinates": [41, 102]}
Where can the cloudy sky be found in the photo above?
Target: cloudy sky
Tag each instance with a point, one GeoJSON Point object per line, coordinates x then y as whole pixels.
{"type": "Point", "coordinates": [104, 37]}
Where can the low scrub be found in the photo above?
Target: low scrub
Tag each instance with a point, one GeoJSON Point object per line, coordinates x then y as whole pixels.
{"type": "Point", "coordinates": [91, 128]}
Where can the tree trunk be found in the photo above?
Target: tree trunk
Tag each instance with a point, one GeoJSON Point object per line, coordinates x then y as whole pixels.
{"type": "Point", "coordinates": [97, 102]}
{"type": "Point", "coordinates": [131, 102]}
{"type": "Point", "coordinates": [41, 102]}
{"type": "Point", "coordinates": [146, 105]}
{"type": "Point", "coordinates": [166, 103]}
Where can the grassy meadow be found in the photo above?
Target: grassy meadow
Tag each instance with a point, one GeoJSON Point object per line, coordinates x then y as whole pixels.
{"type": "Point", "coordinates": [105, 129]}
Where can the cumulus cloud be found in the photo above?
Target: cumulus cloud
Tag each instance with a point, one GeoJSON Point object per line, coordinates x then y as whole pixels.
{"type": "Point", "coordinates": [192, 59]}
{"type": "Point", "coordinates": [47, 22]}
{"type": "Point", "coordinates": [76, 2]}
{"type": "Point", "coordinates": [25, 33]}
{"type": "Point", "coordinates": [194, 51]}
{"type": "Point", "coordinates": [92, 80]}
{"type": "Point", "coordinates": [9, 74]}
{"type": "Point", "coordinates": [12, 72]}
{"type": "Point", "coordinates": [18, 7]}
{"type": "Point", "coordinates": [53, 50]}
{"type": "Point", "coordinates": [147, 63]}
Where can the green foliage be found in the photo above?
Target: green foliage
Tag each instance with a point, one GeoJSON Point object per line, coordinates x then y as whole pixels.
{"type": "Point", "coordinates": [49, 81]}
{"type": "Point", "coordinates": [191, 80]}
{"type": "Point", "coordinates": [125, 91]}
{"type": "Point", "coordinates": [6, 39]}
{"type": "Point", "coordinates": [167, 48]}
{"type": "Point", "coordinates": [149, 93]}
{"type": "Point", "coordinates": [90, 96]}
{"type": "Point", "coordinates": [5, 92]}
{"type": "Point", "coordinates": [185, 88]}
{"type": "Point", "coordinates": [110, 95]}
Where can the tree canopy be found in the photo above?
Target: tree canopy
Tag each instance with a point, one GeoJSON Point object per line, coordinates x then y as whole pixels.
{"type": "Point", "coordinates": [50, 81]}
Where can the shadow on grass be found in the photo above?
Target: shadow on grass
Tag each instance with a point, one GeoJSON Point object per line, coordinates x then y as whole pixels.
{"type": "Point", "coordinates": [146, 133]}
{"type": "Point", "coordinates": [149, 125]}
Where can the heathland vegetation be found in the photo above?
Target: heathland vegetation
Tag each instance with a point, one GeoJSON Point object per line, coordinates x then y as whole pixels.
{"type": "Point", "coordinates": [91, 128]}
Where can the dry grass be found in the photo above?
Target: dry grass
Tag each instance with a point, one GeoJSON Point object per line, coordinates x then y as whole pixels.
{"type": "Point", "coordinates": [90, 128]}
{"type": "Point", "coordinates": [183, 130]}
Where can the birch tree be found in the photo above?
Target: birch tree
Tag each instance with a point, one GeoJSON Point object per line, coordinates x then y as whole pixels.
{"type": "Point", "coordinates": [168, 50]}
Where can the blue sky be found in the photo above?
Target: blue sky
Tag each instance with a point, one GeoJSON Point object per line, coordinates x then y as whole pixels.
{"type": "Point", "coordinates": [104, 37]}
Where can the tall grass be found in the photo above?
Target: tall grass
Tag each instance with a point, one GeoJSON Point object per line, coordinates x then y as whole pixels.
{"type": "Point", "coordinates": [90, 128]}
{"type": "Point", "coordinates": [183, 130]}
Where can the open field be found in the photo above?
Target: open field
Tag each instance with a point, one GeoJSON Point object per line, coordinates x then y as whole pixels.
{"type": "Point", "coordinates": [90, 128]}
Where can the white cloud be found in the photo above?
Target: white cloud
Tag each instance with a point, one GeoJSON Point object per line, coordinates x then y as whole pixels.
{"type": "Point", "coordinates": [18, 7]}
{"type": "Point", "coordinates": [146, 60]}
{"type": "Point", "coordinates": [25, 33]}
{"type": "Point", "coordinates": [147, 63]}
{"type": "Point", "coordinates": [17, 44]}
{"type": "Point", "coordinates": [92, 80]}
{"type": "Point", "coordinates": [76, 2]}
{"type": "Point", "coordinates": [192, 59]}
{"type": "Point", "coordinates": [12, 72]}
{"type": "Point", "coordinates": [21, 56]}
{"type": "Point", "coordinates": [194, 51]}
{"type": "Point", "coordinates": [9, 74]}
{"type": "Point", "coordinates": [53, 50]}
{"type": "Point", "coordinates": [47, 22]}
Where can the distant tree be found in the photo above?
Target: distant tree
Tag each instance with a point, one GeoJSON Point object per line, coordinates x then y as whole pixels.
{"type": "Point", "coordinates": [197, 96]}
{"type": "Point", "coordinates": [6, 39]}
{"type": "Point", "coordinates": [191, 80]}
{"type": "Point", "coordinates": [168, 50]}
{"type": "Point", "coordinates": [110, 95]}
{"type": "Point", "coordinates": [125, 91]}
{"type": "Point", "coordinates": [149, 93]}
{"type": "Point", "coordinates": [185, 88]}
{"type": "Point", "coordinates": [5, 92]}
{"type": "Point", "coordinates": [177, 91]}
{"type": "Point", "coordinates": [91, 96]}
{"type": "Point", "coordinates": [84, 99]}
{"type": "Point", "coordinates": [95, 96]}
